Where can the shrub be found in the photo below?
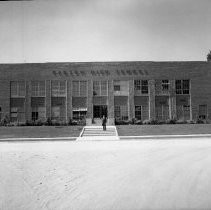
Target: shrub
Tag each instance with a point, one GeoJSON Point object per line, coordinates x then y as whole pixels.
{"type": "Point", "coordinates": [200, 121]}
{"type": "Point", "coordinates": [122, 122]}
{"type": "Point", "coordinates": [171, 121]}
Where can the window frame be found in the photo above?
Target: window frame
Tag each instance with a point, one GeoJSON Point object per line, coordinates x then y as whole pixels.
{"type": "Point", "coordinates": [18, 89]}
{"type": "Point", "coordinates": [57, 89]}
{"type": "Point", "coordinates": [182, 90]}
{"type": "Point", "coordinates": [38, 89]}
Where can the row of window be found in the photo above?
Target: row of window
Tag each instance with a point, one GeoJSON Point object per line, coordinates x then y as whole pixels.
{"type": "Point", "coordinates": [100, 88]}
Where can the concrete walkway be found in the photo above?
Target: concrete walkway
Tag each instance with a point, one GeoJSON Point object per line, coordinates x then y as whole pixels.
{"type": "Point", "coordinates": [97, 133]}
{"type": "Point", "coordinates": [106, 138]}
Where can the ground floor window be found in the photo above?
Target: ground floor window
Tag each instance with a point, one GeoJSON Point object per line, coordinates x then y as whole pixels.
{"type": "Point", "coordinates": [138, 112]}
{"type": "Point", "coordinates": [183, 112]}
{"type": "Point", "coordinates": [162, 112]}
{"type": "Point", "coordinates": [38, 113]}
{"type": "Point", "coordinates": [79, 114]}
{"type": "Point", "coordinates": [121, 112]}
{"type": "Point", "coordinates": [17, 114]}
{"type": "Point", "coordinates": [202, 112]}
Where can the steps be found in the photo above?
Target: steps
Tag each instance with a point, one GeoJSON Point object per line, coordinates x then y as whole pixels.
{"type": "Point", "coordinates": [97, 133]}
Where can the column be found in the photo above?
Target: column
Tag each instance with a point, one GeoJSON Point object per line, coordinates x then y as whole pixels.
{"type": "Point", "coordinates": [28, 101]}
{"type": "Point", "coordinates": [69, 101]}
{"type": "Point", "coordinates": [89, 103]}
{"type": "Point", "coordinates": [131, 100]}
{"type": "Point", "coordinates": [172, 100]}
{"type": "Point", "coordinates": [152, 99]}
{"type": "Point", "coordinates": [110, 102]}
{"type": "Point", "coordinates": [48, 98]}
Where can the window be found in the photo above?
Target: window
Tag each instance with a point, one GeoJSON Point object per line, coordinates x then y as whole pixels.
{"type": "Point", "coordinates": [79, 115]}
{"type": "Point", "coordinates": [17, 114]}
{"type": "Point", "coordinates": [17, 89]}
{"type": "Point", "coordinates": [182, 86]}
{"type": "Point", "coordinates": [38, 113]}
{"type": "Point", "coordinates": [138, 112]}
{"type": "Point", "coordinates": [202, 112]}
{"type": "Point", "coordinates": [79, 88]}
{"type": "Point", "coordinates": [186, 86]}
{"type": "Point", "coordinates": [116, 87]}
{"type": "Point", "coordinates": [100, 88]}
{"type": "Point", "coordinates": [137, 84]}
{"type": "Point", "coordinates": [58, 88]}
{"type": "Point", "coordinates": [121, 112]}
{"type": "Point", "coordinates": [117, 112]}
{"type": "Point", "coordinates": [165, 85]}
{"type": "Point", "coordinates": [96, 88]}
{"type": "Point", "coordinates": [38, 88]}
{"type": "Point", "coordinates": [144, 86]}
{"type": "Point", "coordinates": [83, 88]}
{"type": "Point", "coordinates": [34, 113]}
{"type": "Point", "coordinates": [56, 112]}
{"type": "Point", "coordinates": [141, 85]}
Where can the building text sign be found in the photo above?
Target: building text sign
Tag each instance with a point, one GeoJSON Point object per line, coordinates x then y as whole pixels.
{"type": "Point", "coordinates": [99, 73]}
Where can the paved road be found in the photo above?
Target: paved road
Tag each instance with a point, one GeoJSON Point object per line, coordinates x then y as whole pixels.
{"type": "Point", "coordinates": [107, 175]}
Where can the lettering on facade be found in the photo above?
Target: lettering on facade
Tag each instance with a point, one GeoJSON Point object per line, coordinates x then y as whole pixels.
{"type": "Point", "coordinates": [100, 73]}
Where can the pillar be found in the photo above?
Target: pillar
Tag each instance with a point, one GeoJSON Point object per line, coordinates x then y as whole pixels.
{"type": "Point", "coordinates": [69, 101]}
{"type": "Point", "coordinates": [111, 102]}
{"type": "Point", "coordinates": [131, 100]}
{"type": "Point", "coordinates": [172, 100]}
{"type": "Point", "coordinates": [89, 103]}
{"type": "Point", "coordinates": [152, 99]}
{"type": "Point", "coordinates": [48, 98]}
{"type": "Point", "coordinates": [28, 110]}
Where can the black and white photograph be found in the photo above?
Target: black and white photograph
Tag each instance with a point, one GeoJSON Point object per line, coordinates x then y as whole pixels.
{"type": "Point", "coordinates": [105, 105]}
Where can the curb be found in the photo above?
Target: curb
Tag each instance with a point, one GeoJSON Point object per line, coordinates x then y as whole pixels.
{"type": "Point", "coordinates": [150, 137]}
{"type": "Point", "coordinates": [165, 136]}
{"type": "Point", "coordinates": [38, 139]}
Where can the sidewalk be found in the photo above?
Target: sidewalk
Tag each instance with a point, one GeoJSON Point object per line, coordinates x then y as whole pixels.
{"type": "Point", "coordinates": [124, 138]}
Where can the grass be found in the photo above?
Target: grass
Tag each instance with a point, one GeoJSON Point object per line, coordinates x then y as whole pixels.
{"type": "Point", "coordinates": [40, 131]}
{"type": "Point", "coordinates": [144, 130]}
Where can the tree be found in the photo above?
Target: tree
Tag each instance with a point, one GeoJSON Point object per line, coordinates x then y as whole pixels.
{"type": "Point", "coordinates": [209, 56]}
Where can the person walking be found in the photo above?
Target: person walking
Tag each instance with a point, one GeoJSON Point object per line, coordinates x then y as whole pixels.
{"type": "Point", "coordinates": [104, 120]}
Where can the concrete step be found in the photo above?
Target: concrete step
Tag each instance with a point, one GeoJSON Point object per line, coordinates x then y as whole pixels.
{"type": "Point", "coordinates": [97, 133]}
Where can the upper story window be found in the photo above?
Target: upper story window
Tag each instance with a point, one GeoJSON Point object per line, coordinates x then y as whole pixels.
{"type": "Point", "coordinates": [38, 88]}
{"type": "Point", "coordinates": [117, 86]}
{"type": "Point", "coordinates": [18, 89]}
{"type": "Point", "coordinates": [100, 88]}
{"type": "Point", "coordinates": [141, 85]}
{"type": "Point", "coordinates": [182, 86]}
{"type": "Point", "coordinates": [165, 85]}
{"type": "Point", "coordinates": [79, 88]}
{"type": "Point", "coordinates": [58, 88]}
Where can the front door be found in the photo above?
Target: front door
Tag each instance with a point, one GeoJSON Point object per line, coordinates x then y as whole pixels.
{"type": "Point", "coordinates": [99, 111]}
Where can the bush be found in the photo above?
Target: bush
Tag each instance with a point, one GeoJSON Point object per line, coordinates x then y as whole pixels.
{"type": "Point", "coordinates": [77, 122]}
{"type": "Point", "coordinates": [138, 122]}
{"type": "Point", "coordinates": [199, 121]}
{"type": "Point", "coordinates": [171, 121]}
{"type": "Point", "coordinates": [150, 122]}
{"type": "Point", "coordinates": [5, 121]}
{"type": "Point", "coordinates": [122, 122]}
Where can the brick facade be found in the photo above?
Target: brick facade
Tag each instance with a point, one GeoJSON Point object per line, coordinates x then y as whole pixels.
{"type": "Point", "coordinates": [198, 73]}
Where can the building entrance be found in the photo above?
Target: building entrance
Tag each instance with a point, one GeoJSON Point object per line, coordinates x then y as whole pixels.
{"type": "Point", "coordinates": [99, 111]}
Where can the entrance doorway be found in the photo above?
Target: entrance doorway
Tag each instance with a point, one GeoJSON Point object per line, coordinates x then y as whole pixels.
{"type": "Point", "coordinates": [99, 111]}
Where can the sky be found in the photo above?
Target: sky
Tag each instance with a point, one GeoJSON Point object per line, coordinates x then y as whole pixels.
{"type": "Point", "coordinates": [104, 30]}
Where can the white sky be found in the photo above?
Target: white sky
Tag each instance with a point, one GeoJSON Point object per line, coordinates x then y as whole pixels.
{"type": "Point", "coordinates": [104, 30]}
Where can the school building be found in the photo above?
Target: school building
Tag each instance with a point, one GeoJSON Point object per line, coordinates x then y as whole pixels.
{"type": "Point", "coordinates": [118, 90]}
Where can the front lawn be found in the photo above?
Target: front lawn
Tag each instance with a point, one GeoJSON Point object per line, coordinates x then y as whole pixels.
{"type": "Point", "coordinates": [144, 130]}
{"type": "Point", "coordinates": [40, 131]}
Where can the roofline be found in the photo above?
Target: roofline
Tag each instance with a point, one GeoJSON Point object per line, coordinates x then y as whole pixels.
{"type": "Point", "coordinates": [100, 62]}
